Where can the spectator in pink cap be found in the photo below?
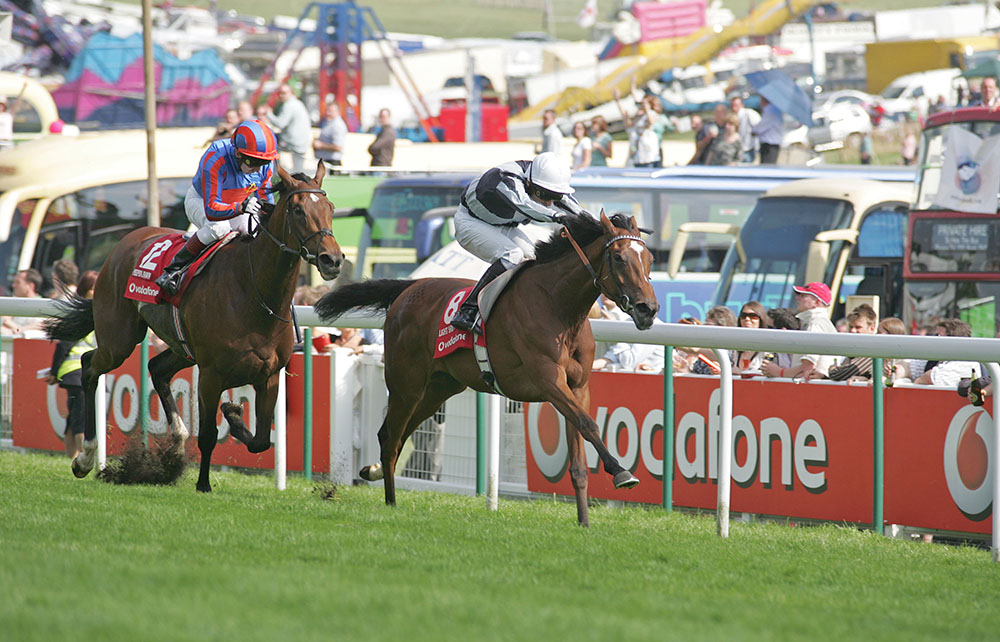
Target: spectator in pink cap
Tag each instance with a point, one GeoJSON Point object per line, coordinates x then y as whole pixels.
{"type": "Point", "coordinates": [812, 306]}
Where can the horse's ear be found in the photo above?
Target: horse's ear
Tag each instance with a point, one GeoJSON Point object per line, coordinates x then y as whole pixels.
{"type": "Point", "coordinates": [609, 228]}
{"type": "Point", "coordinates": [320, 172]}
{"type": "Point", "coordinates": [634, 227]}
{"type": "Point", "coordinates": [283, 175]}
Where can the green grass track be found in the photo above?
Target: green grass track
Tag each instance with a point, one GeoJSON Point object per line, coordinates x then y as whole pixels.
{"type": "Point", "coordinates": [82, 560]}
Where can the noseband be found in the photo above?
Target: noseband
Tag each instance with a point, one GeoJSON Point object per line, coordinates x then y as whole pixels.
{"type": "Point", "coordinates": [622, 299]}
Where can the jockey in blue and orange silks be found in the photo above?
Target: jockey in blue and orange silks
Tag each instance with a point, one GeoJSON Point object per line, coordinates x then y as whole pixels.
{"type": "Point", "coordinates": [233, 179]}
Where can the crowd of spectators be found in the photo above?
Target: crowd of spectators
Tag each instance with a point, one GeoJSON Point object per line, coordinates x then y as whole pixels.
{"type": "Point", "coordinates": [811, 314]}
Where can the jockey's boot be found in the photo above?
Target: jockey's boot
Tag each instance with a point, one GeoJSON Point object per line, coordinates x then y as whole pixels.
{"type": "Point", "coordinates": [465, 319]}
{"type": "Point", "coordinates": [170, 280]}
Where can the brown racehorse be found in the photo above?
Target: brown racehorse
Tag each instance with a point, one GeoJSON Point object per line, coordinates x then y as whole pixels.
{"type": "Point", "coordinates": [538, 336]}
{"type": "Point", "coordinates": [234, 316]}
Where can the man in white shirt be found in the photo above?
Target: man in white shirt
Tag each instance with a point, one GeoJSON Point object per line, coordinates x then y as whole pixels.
{"type": "Point", "coordinates": [748, 119]}
{"type": "Point", "coordinates": [812, 303]}
{"type": "Point", "coordinates": [769, 131]}
{"type": "Point", "coordinates": [332, 136]}
{"type": "Point", "coordinates": [551, 136]}
{"type": "Point", "coordinates": [294, 125]}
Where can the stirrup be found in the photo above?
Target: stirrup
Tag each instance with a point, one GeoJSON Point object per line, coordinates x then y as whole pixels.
{"type": "Point", "coordinates": [170, 282]}
{"type": "Point", "coordinates": [465, 318]}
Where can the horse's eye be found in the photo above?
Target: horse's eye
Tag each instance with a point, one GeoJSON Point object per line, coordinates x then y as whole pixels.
{"type": "Point", "coordinates": [619, 259]}
{"type": "Point", "coordinates": [299, 210]}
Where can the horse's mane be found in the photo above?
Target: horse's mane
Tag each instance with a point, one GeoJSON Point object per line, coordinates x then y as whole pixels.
{"type": "Point", "coordinates": [584, 228]}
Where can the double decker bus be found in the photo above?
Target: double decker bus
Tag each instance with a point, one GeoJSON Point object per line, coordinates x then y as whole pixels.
{"type": "Point", "coordinates": [952, 258]}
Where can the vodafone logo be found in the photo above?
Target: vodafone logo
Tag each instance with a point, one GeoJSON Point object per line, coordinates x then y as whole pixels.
{"type": "Point", "coordinates": [968, 451]}
{"type": "Point", "coordinates": [122, 397]}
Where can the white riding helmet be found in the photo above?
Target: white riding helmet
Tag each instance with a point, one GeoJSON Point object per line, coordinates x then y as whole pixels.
{"type": "Point", "coordinates": [550, 172]}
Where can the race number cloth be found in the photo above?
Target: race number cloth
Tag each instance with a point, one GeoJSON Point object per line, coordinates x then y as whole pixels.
{"type": "Point", "coordinates": [970, 174]}
{"type": "Point", "coordinates": [141, 284]}
{"type": "Point", "coordinates": [450, 338]}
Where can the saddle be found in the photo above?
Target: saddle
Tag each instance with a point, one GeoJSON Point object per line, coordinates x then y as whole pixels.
{"type": "Point", "coordinates": [450, 338]}
{"type": "Point", "coordinates": [141, 285]}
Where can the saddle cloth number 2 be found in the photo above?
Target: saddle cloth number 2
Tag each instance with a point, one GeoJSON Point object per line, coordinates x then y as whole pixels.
{"type": "Point", "coordinates": [149, 260]}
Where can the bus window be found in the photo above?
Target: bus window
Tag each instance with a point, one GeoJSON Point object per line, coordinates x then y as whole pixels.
{"type": "Point", "coordinates": [86, 225]}
{"type": "Point", "coordinates": [927, 302]}
{"type": "Point", "coordinates": [27, 120]}
{"type": "Point", "coordinates": [9, 249]}
{"type": "Point", "coordinates": [777, 252]}
{"type": "Point", "coordinates": [882, 234]}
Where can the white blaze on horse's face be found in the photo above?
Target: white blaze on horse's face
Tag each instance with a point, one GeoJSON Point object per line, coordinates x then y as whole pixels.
{"type": "Point", "coordinates": [315, 199]}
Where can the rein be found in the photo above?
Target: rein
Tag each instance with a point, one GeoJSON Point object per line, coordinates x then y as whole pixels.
{"type": "Point", "coordinates": [302, 252]}
{"type": "Point", "coordinates": [621, 300]}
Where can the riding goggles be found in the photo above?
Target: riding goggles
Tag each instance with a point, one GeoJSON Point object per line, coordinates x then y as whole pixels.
{"type": "Point", "coordinates": [250, 161]}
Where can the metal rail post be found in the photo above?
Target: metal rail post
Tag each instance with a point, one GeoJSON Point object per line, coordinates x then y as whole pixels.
{"type": "Point", "coordinates": [480, 443]}
{"type": "Point", "coordinates": [144, 388]}
{"type": "Point", "coordinates": [307, 402]}
{"type": "Point", "coordinates": [878, 453]}
{"type": "Point", "coordinates": [725, 441]}
{"type": "Point", "coordinates": [668, 429]}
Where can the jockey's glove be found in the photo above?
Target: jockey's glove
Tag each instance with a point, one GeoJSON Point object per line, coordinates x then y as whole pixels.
{"type": "Point", "coordinates": [251, 206]}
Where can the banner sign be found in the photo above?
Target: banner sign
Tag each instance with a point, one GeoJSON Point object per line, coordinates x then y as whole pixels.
{"type": "Point", "coordinates": [38, 410]}
{"type": "Point", "coordinates": [800, 450]}
{"type": "Point", "coordinates": [970, 174]}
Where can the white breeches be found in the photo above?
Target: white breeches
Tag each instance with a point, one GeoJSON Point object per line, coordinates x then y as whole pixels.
{"type": "Point", "coordinates": [210, 231]}
{"type": "Point", "coordinates": [491, 243]}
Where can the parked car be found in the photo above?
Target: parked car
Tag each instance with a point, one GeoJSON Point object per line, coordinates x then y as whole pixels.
{"type": "Point", "coordinates": [841, 122]}
{"type": "Point", "coordinates": [824, 102]}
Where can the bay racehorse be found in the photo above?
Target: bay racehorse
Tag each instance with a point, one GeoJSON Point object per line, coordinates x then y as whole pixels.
{"type": "Point", "coordinates": [538, 336]}
{"type": "Point", "coordinates": [235, 318]}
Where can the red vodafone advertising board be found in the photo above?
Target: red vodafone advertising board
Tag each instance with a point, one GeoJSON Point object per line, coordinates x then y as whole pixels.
{"type": "Point", "coordinates": [38, 410]}
{"type": "Point", "coordinates": [801, 450]}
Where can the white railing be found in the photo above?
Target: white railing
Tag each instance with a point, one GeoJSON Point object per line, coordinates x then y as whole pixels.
{"type": "Point", "coordinates": [720, 339]}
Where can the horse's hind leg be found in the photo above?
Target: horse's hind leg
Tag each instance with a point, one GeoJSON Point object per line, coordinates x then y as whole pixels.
{"type": "Point", "coordinates": [399, 428]}
{"type": "Point", "coordinates": [112, 350]}
{"type": "Point", "coordinates": [162, 369]}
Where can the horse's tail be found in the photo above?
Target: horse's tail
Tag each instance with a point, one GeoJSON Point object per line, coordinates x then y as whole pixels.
{"type": "Point", "coordinates": [74, 321]}
{"type": "Point", "coordinates": [376, 295]}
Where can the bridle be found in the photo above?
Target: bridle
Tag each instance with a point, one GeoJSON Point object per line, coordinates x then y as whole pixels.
{"type": "Point", "coordinates": [622, 300]}
{"type": "Point", "coordinates": [302, 252]}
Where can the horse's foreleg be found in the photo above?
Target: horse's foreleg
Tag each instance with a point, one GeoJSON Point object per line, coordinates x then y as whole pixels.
{"type": "Point", "coordinates": [266, 397]}
{"type": "Point", "coordinates": [578, 473]}
{"type": "Point", "coordinates": [209, 391]}
{"type": "Point", "coordinates": [569, 407]}
{"type": "Point", "coordinates": [162, 369]}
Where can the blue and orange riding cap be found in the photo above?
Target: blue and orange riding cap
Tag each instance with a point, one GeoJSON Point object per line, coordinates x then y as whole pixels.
{"type": "Point", "coordinates": [254, 138]}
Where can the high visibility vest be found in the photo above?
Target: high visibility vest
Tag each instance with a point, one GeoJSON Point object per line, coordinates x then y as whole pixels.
{"type": "Point", "coordinates": [72, 361]}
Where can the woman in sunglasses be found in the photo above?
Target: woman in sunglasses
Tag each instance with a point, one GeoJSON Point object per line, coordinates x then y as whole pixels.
{"type": "Point", "coordinates": [233, 179]}
{"type": "Point", "coordinates": [752, 315]}
{"type": "Point", "coordinates": [492, 209]}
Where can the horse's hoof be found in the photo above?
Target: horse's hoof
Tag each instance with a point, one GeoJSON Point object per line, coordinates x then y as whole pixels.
{"type": "Point", "coordinates": [204, 488]}
{"type": "Point", "coordinates": [625, 479]}
{"type": "Point", "coordinates": [371, 473]}
{"type": "Point", "coordinates": [78, 471]}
